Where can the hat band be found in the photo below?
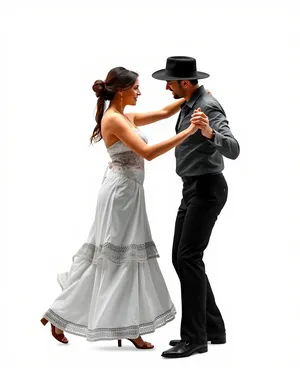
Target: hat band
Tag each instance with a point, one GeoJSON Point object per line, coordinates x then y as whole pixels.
{"type": "Point", "coordinates": [178, 74]}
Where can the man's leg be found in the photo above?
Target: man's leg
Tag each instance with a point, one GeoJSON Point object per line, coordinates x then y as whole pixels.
{"type": "Point", "coordinates": [215, 327]}
{"type": "Point", "coordinates": [203, 208]}
{"type": "Point", "coordinates": [214, 322]}
{"type": "Point", "coordinates": [177, 232]}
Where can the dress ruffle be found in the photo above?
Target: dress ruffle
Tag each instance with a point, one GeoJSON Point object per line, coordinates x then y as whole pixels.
{"type": "Point", "coordinates": [93, 335]}
{"type": "Point", "coordinates": [117, 254]}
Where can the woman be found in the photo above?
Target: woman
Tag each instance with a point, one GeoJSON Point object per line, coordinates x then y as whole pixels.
{"type": "Point", "coordinates": [115, 288]}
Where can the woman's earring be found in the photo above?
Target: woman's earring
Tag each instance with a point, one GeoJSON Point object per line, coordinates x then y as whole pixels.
{"type": "Point", "coordinates": [121, 99]}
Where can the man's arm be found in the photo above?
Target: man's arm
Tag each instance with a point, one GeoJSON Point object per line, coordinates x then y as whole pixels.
{"type": "Point", "coordinates": [214, 126]}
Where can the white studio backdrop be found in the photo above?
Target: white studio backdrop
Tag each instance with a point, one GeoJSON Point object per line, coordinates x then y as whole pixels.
{"type": "Point", "coordinates": [52, 54]}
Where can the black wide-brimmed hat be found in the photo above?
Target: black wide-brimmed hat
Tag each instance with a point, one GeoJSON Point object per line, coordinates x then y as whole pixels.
{"type": "Point", "coordinates": [180, 68]}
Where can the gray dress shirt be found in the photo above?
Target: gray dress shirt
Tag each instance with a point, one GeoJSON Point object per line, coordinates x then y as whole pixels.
{"type": "Point", "coordinates": [198, 155]}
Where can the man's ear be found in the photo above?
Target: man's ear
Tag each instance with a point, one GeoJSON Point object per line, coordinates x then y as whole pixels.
{"type": "Point", "coordinates": [185, 83]}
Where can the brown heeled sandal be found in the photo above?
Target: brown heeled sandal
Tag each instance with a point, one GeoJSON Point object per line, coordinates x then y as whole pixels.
{"type": "Point", "coordinates": [59, 337]}
{"type": "Point", "coordinates": [144, 347]}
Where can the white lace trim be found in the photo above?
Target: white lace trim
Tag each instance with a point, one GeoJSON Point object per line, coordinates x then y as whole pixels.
{"type": "Point", "coordinates": [127, 159]}
{"type": "Point", "coordinates": [117, 254]}
{"type": "Point", "coordinates": [99, 334]}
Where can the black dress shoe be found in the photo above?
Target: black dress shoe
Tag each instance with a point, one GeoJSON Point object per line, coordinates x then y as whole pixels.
{"type": "Point", "coordinates": [184, 349]}
{"type": "Point", "coordinates": [213, 339]}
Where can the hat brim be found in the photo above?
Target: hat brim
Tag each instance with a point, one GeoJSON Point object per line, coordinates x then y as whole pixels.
{"type": "Point", "coordinates": [162, 75]}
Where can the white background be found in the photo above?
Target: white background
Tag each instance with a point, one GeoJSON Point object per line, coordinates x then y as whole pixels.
{"type": "Point", "coordinates": [52, 52]}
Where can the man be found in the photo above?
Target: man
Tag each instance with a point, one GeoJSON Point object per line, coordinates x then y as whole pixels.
{"type": "Point", "coordinates": [199, 162]}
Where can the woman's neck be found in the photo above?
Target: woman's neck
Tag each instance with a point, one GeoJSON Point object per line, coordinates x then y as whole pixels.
{"type": "Point", "coordinates": [116, 106]}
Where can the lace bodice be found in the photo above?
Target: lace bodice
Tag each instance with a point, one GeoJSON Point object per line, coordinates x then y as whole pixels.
{"type": "Point", "coordinates": [125, 161]}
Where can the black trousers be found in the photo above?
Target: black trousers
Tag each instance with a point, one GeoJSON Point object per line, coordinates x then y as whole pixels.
{"type": "Point", "coordinates": [203, 199]}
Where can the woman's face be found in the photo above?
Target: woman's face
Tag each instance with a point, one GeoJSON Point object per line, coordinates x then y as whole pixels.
{"type": "Point", "coordinates": [130, 95]}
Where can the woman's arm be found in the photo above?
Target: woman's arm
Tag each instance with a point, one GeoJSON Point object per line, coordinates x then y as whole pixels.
{"type": "Point", "coordinates": [145, 118]}
{"type": "Point", "coordinates": [119, 127]}
{"type": "Point", "coordinates": [151, 117]}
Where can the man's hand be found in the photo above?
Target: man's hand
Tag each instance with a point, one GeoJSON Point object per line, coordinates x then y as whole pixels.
{"type": "Point", "coordinates": [202, 122]}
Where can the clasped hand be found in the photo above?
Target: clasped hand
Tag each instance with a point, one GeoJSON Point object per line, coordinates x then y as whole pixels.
{"type": "Point", "coordinates": [201, 121]}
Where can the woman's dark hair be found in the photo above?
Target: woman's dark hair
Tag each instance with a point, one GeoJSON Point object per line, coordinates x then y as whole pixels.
{"type": "Point", "coordinates": [117, 78]}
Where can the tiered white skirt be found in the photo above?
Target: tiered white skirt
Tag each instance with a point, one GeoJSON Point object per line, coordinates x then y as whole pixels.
{"type": "Point", "coordinates": [114, 288]}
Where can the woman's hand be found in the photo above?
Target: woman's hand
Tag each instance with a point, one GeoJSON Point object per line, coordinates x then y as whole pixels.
{"type": "Point", "coordinates": [192, 128]}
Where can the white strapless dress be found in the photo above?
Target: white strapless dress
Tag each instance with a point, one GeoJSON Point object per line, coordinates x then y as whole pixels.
{"type": "Point", "coordinates": [115, 288]}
